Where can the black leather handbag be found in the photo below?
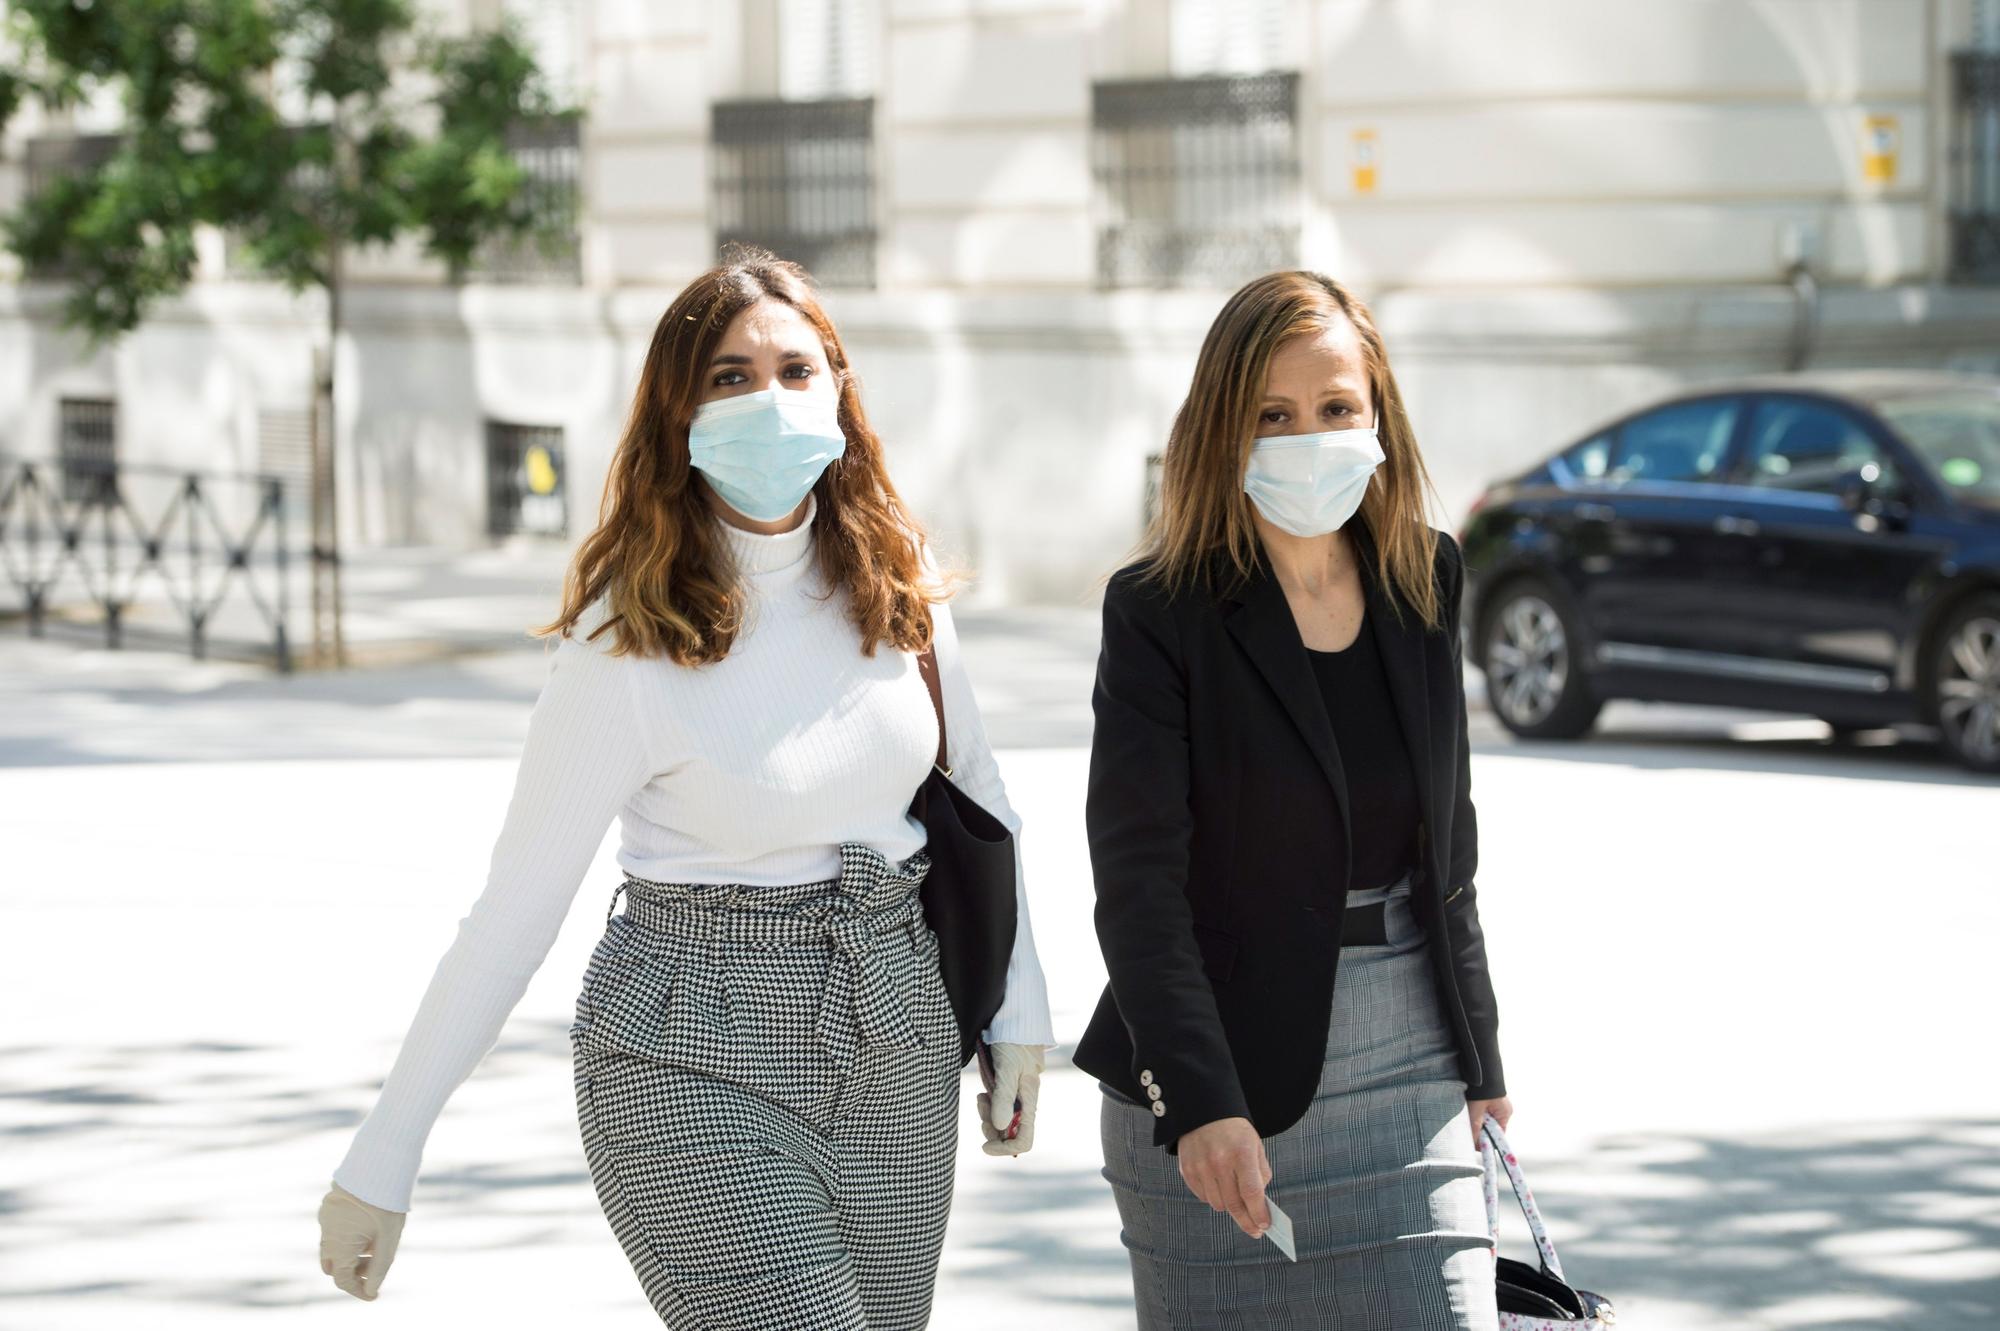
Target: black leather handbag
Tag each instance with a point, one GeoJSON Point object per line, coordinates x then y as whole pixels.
{"type": "Point", "coordinates": [968, 894]}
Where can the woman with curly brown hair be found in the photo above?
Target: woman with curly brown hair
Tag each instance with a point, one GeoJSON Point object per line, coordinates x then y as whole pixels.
{"type": "Point", "coordinates": [766, 1057]}
{"type": "Point", "coordinates": [1279, 790]}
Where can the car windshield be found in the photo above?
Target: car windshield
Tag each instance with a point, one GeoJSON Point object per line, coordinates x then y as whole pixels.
{"type": "Point", "coordinates": [1958, 434]}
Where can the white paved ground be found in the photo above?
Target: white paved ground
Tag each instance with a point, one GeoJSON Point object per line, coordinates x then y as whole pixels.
{"type": "Point", "coordinates": [1747, 985]}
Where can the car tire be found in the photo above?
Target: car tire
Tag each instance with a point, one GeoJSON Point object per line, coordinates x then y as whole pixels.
{"type": "Point", "coordinates": [1964, 662]}
{"type": "Point", "coordinates": [1535, 682]}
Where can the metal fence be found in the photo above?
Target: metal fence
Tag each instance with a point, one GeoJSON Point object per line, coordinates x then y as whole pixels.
{"type": "Point", "coordinates": [1197, 179]}
{"type": "Point", "coordinates": [550, 151]}
{"type": "Point", "coordinates": [798, 178]}
{"type": "Point", "coordinates": [1973, 204]}
{"type": "Point", "coordinates": [214, 543]}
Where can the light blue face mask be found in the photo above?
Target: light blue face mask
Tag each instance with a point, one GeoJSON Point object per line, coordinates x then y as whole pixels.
{"type": "Point", "coordinates": [764, 451]}
{"type": "Point", "coordinates": [1311, 484]}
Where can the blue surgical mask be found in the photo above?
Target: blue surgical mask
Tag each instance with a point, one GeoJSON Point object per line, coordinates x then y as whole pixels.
{"type": "Point", "coordinates": [764, 451]}
{"type": "Point", "coordinates": [1311, 484]}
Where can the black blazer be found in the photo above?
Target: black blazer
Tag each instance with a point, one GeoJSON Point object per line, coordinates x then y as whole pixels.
{"type": "Point", "coordinates": [1217, 812]}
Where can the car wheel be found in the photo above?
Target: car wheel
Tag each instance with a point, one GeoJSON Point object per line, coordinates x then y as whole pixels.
{"type": "Point", "coordinates": [1967, 684]}
{"type": "Point", "coordinates": [1534, 682]}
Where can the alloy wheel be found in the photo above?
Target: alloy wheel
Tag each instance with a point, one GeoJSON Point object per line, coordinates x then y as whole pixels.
{"type": "Point", "coordinates": [1969, 689]}
{"type": "Point", "coordinates": [1527, 660]}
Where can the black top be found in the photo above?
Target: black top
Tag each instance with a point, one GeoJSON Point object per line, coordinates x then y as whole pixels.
{"type": "Point", "coordinates": [1217, 866]}
{"type": "Point", "coordinates": [1381, 788]}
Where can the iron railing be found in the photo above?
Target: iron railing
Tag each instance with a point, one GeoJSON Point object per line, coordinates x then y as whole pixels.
{"type": "Point", "coordinates": [1197, 178]}
{"type": "Point", "coordinates": [798, 178]}
{"type": "Point", "coordinates": [1973, 202]}
{"type": "Point", "coordinates": [206, 541]}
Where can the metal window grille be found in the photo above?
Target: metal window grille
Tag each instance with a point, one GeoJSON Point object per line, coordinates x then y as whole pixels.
{"type": "Point", "coordinates": [87, 445]}
{"type": "Point", "coordinates": [1973, 207]}
{"type": "Point", "coordinates": [1198, 178]}
{"type": "Point", "coordinates": [524, 470]}
{"type": "Point", "coordinates": [550, 150]}
{"type": "Point", "coordinates": [798, 178]}
{"type": "Point", "coordinates": [52, 158]}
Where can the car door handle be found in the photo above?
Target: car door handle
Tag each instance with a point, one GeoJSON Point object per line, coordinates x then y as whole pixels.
{"type": "Point", "coordinates": [1595, 512]}
{"type": "Point", "coordinates": [1730, 525]}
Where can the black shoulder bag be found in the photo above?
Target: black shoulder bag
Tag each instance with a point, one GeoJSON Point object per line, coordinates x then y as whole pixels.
{"type": "Point", "coordinates": [968, 894]}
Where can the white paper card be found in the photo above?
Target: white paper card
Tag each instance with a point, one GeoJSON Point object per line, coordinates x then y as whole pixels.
{"type": "Point", "coordinates": [1280, 1231]}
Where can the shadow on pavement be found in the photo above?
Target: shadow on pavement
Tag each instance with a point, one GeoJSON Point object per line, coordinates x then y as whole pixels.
{"type": "Point", "coordinates": [1871, 1226]}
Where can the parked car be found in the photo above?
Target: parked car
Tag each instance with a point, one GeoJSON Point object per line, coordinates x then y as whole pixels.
{"type": "Point", "coordinates": [1825, 542]}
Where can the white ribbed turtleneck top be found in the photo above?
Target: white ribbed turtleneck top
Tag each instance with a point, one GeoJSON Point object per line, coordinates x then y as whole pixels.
{"type": "Point", "coordinates": [751, 770]}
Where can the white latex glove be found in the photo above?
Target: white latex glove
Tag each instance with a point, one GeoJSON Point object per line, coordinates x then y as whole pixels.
{"type": "Point", "coordinates": [1017, 1071]}
{"type": "Point", "coordinates": [357, 1242]}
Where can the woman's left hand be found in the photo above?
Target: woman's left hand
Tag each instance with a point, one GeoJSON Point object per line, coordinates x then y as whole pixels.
{"type": "Point", "coordinates": [1501, 1109]}
{"type": "Point", "coordinates": [1017, 1072]}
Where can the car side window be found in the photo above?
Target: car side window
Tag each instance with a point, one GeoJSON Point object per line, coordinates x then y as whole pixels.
{"type": "Point", "coordinates": [1806, 446]}
{"type": "Point", "coordinates": [1688, 441]}
{"type": "Point", "coordinates": [1589, 460]}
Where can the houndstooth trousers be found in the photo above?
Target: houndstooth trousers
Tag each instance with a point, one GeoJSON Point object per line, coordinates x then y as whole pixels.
{"type": "Point", "coordinates": [1380, 1178]}
{"type": "Point", "coordinates": [767, 1084]}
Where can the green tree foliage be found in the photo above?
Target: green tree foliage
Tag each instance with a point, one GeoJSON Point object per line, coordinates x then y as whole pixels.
{"type": "Point", "coordinates": [403, 133]}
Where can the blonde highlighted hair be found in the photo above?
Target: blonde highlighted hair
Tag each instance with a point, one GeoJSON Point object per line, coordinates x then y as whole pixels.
{"type": "Point", "coordinates": [1203, 524]}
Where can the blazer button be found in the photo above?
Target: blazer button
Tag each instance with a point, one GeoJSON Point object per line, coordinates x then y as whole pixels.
{"type": "Point", "coordinates": [1152, 1092]}
{"type": "Point", "coordinates": [1159, 1109]}
{"type": "Point", "coordinates": [1146, 1077]}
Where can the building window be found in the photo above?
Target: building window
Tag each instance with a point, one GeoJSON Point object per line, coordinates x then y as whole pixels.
{"type": "Point", "coordinates": [550, 151]}
{"type": "Point", "coordinates": [284, 454]}
{"type": "Point", "coordinates": [1197, 179]}
{"type": "Point", "coordinates": [87, 448]}
{"type": "Point", "coordinates": [1973, 205]}
{"type": "Point", "coordinates": [826, 49]}
{"type": "Point", "coordinates": [54, 158]}
{"type": "Point", "coordinates": [1228, 36]}
{"type": "Point", "coordinates": [524, 470]}
{"type": "Point", "coordinates": [309, 187]}
{"type": "Point", "coordinates": [798, 178]}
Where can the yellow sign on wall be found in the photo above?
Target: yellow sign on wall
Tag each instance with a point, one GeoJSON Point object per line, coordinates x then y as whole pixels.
{"type": "Point", "coordinates": [1362, 160]}
{"type": "Point", "coordinates": [1880, 137]}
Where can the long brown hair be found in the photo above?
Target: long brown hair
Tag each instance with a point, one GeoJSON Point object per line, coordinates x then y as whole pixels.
{"type": "Point", "coordinates": [658, 550]}
{"type": "Point", "coordinates": [1203, 522]}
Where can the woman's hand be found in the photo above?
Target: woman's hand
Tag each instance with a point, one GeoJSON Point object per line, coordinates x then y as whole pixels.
{"type": "Point", "coordinates": [1017, 1071]}
{"type": "Point", "coordinates": [1224, 1164]}
{"type": "Point", "coordinates": [1501, 1109]}
{"type": "Point", "coordinates": [357, 1242]}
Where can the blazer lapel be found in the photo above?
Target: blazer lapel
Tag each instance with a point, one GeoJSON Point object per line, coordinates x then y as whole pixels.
{"type": "Point", "coordinates": [1261, 622]}
{"type": "Point", "coordinates": [1401, 645]}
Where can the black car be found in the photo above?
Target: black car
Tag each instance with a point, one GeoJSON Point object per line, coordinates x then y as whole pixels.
{"type": "Point", "coordinates": [1825, 542]}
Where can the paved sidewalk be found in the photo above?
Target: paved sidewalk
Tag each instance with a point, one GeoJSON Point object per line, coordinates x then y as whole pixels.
{"type": "Point", "coordinates": [1746, 1095]}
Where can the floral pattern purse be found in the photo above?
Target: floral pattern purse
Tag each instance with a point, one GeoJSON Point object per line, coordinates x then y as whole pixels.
{"type": "Point", "coordinates": [1531, 1298]}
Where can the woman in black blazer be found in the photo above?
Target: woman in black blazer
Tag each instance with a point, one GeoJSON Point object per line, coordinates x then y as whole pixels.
{"type": "Point", "coordinates": [1279, 796]}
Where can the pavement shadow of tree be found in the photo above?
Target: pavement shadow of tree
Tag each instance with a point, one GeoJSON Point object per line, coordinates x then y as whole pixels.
{"type": "Point", "coordinates": [1871, 1226]}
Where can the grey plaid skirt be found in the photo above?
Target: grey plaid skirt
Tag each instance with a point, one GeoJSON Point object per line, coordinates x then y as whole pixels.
{"type": "Point", "coordinates": [1380, 1178]}
{"type": "Point", "coordinates": [767, 1084]}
